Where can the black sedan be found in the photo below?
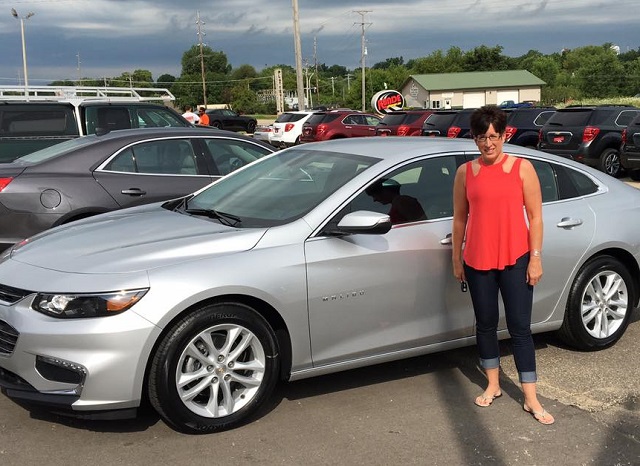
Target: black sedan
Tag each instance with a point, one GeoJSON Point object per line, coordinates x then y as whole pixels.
{"type": "Point", "coordinates": [224, 118]}
{"type": "Point", "coordinates": [95, 174]}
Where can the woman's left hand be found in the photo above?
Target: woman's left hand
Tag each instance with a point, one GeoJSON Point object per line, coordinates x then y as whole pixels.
{"type": "Point", "coordinates": [534, 271]}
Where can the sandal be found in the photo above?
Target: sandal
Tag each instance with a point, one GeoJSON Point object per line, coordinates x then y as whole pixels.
{"type": "Point", "coordinates": [484, 400]}
{"type": "Point", "coordinates": [543, 417]}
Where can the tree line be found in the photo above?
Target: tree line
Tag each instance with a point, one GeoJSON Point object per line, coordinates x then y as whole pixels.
{"type": "Point", "coordinates": [585, 72]}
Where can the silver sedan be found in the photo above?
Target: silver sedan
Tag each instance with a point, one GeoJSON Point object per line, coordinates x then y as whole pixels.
{"type": "Point", "coordinates": [294, 266]}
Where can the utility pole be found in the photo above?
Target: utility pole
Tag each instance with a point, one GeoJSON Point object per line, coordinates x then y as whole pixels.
{"type": "Point", "coordinates": [315, 60]}
{"type": "Point", "coordinates": [349, 76]}
{"type": "Point", "coordinates": [204, 81]}
{"type": "Point", "coordinates": [333, 86]}
{"type": "Point", "coordinates": [79, 73]}
{"type": "Point", "coordinates": [298, 52]}
{"type": "Point", "coordinates": [363, 54]}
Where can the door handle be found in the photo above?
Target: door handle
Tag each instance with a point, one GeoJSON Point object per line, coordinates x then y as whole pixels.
{"type": "Point", "coordinates": [133, 192]}
{"type": "Point", "coordinates": [447, 239]}
{"type": "Point", "coordinates": [569, 223]}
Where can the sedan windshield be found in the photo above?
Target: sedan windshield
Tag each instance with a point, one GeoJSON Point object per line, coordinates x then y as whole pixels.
{"type": "Point", "coordinates": [281, 188]}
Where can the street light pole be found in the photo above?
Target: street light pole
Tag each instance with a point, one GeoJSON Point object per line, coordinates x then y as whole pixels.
{"type": "Point", "coordinates": [24, 49]}
{"type": "Point", "coordinates": [298, 53]}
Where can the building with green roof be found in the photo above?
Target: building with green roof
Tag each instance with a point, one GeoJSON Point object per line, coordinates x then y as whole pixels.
{"type": "Point", "coordinates": [470, 90]}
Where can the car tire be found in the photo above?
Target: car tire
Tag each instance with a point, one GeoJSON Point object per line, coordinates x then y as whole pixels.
{"type": "Point", "coordinates": [216, 124]}
{"type": "Point", "coordinates": [214, 369]}
{"type": "Point", "coordinates": [610, 162]}
{"type": "Point", "coordinates": [251, 127]}
{"type": "Point", "coordinates": [600, 304]}
{"type": "Point", "coordinates": [635, 175]}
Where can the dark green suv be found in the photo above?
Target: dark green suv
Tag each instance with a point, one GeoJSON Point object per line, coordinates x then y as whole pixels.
{"type": "Point", "coordinates": [26, 127]}
{"type": "Point", "coordinates": [591, 135]}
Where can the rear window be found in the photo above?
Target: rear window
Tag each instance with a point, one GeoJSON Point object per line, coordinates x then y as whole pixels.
{"type": "Point", "coordinates": [411, 117]}
{"type": "Point", "coordinates": [284, 117]}
{"type": "Point", "coordinates": [37, 122]}
{"type": "Point", "coordinates": [570, 118]}
{"type": "Point", "coordinates": [393, 119]}
{"type": "Point", "coordinates": [440, 119]}
{"type": "Point", "coordinates": [527, 118]}
{"type": "Point", "coordinates": [318, 118]}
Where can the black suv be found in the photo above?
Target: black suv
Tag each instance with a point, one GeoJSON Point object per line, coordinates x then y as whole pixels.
{"type": "Point", "coordinates": [449, 123]}
{"type": "Point", "coordinates": [523, 124]}
{"type": "Point", "coordinates": [591, 135]}
{"type": "Point", "coordinates": [630, 149]}
{"type": "Point", "coordinates": [26, 127]}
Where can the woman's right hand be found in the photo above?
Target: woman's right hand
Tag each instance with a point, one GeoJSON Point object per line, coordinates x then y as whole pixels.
{"type": "Point", "coordinates": [458, 270]}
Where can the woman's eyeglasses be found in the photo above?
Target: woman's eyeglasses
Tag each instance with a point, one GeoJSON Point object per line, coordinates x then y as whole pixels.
{"type": "Point", "coordinates": [492, 138]}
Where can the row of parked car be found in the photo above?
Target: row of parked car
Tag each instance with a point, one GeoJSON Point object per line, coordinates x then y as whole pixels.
{"type": "Point", "coordinates": [606, 137]}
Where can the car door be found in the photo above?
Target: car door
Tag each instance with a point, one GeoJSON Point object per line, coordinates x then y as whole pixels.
{"type": "Point", "coordinates": [375, 294]}
{"type": "Point", "coordinates": [569, 228]}
{"type": "Point", "coordinates": [153, 171]}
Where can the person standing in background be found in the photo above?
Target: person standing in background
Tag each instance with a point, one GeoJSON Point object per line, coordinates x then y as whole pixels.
{"type": "Point", "coordinates": [502, 253]}
{"type": "Point", "coordinates": [204, 118]}
{"type": "Point", "coordinates": [190, 116]}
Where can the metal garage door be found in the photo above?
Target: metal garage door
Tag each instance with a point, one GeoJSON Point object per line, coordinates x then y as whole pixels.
{"type": "Point", "coordinates": [473, 99]}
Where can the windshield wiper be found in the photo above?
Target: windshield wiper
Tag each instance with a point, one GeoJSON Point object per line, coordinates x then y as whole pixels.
{"type": "Point", "coordinates": [226, 219]}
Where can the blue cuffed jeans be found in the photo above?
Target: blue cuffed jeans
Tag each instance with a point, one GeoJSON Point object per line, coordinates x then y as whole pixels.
{"type": "Point", "coordinates": [517, 296]}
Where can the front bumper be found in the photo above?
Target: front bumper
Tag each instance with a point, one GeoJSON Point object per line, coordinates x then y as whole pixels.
{"type": "Point", "coordinates": [77, 365]}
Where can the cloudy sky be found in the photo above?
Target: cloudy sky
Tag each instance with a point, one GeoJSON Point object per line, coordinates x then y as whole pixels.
{"type": "Point", "coordinates": [114, 36]}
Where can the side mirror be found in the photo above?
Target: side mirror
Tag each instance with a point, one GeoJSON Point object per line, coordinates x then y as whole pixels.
{"type": "Point", "coordinates": [364, 222]}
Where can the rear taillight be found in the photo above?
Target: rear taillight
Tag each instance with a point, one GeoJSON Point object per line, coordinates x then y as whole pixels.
{"type": "Point", "coordinates": [624, 136]}
{"type": "Point", "coordinates": [288, 127]}
{"type": "Point", "coordinates": [403, 130]}
{"type": "Point", "coordinates": [453, 132]}
{"type": "Point", "coordinates": [540, 136]}
{"type": "Point", "coordinates": [4, 182]}
{"type": "Point", "coordinates": [590, 133]}
{"type": "Point", "coordinates": [509, 132]}
{"type": "Point", "coordinates": [321, 129]}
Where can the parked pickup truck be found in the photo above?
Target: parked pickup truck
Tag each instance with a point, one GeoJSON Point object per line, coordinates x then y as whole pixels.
{"type": "Point", "coordinates": [514, 104]}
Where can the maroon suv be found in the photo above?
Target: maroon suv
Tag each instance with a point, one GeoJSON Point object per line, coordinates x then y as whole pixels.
{"type": "Point", "coordinates": [403, 123]}
{"type": "Point", "coordinates": [334, 124]}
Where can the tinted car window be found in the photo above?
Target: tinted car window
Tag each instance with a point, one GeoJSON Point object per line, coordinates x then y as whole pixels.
{"type": "Point", "coordinates": [419, 191]}
{"type": "Point", "coordinates": [290, 117]}
{"type": "Point", "coordinates": [570, 118]}
{"type": "Point", "coordinates": [168, 157]}
{"type": "Point", "coordinates": [625, 117]}
{"type": "Point", "coordinates": [547, 179]}
{"type": "Point", "coordinates": [47, 123]}
{"type": "Point", "coordinates": [229, 155]}
{"type": "Point", "coordinates": [394, 119]}
{"type": "Point", "coordinates": [157, 117]}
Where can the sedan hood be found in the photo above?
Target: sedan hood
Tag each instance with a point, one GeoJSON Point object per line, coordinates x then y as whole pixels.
{"type": "Point", "coordinates": [133, 240]}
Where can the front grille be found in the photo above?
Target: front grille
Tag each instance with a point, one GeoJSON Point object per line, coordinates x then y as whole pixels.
{"type": "Point", "coordinates": [11, 295]}
{"type": "Point", "coordinates": [8, 338]}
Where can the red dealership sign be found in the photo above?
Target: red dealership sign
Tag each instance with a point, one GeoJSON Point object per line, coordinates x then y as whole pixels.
{"type": "Point", "coordinates": [387, 101]}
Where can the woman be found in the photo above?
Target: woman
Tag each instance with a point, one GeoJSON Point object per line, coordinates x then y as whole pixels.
{"type": "Point", "coordinates": [501, 254]}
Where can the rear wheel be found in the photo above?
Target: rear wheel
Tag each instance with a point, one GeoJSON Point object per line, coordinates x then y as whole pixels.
{"type": "Point", "coordinates": [610, 162]}
{"type": "Point", "coordinates": [251, 127]}
{"type": "Point", "coordinates": [216, 124]}
{"type": "Point", "coordinates": [214, 369]}
{"type": "Point", "coordinates": [600, 304]}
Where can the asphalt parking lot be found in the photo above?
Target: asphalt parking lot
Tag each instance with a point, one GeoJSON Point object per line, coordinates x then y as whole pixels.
{"type": "Point", "coordinates": [417, 411]}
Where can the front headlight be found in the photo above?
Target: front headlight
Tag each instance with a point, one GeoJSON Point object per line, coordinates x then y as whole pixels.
{"type": "Point", "coordinates": [77, 306]}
